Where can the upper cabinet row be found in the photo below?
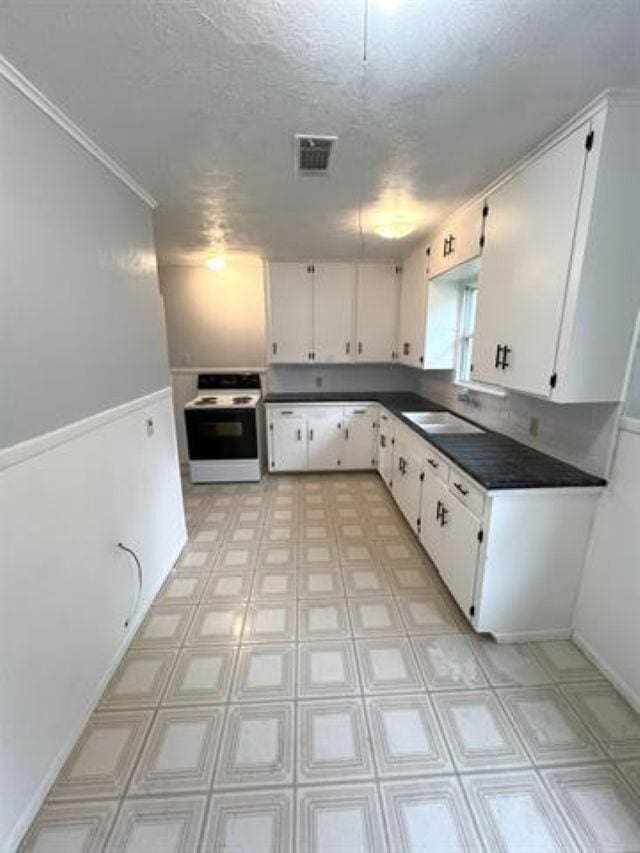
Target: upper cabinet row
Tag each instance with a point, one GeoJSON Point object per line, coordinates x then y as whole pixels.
{"type": "Point", "coordinates": [558, 291]}
{"type": "Point", "coordinates": [332, 312]}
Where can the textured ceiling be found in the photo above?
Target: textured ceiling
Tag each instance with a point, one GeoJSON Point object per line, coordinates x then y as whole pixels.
{"type": "Point", "coordinates": [199, 101]}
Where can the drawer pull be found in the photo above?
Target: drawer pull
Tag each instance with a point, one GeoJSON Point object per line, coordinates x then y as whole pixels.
{"type": "Point", "coordinates": [438, 510]}
{"type": "Point", "coordinates": [359, 411]}
{"type": "Point", "coordinates": [299, 435]}
{"type": "Point", "coordinates": [461, 489]}
{"type": "Point", "coordinates": [433, 463]}
{"type": "Point", "coordinates": [443, 515]}
{"type": "Point", "coordinates": [285, 412]}
{"type": "Point", "coordinates": [310, 435]}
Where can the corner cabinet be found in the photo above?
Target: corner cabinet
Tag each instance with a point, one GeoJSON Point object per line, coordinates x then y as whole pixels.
{"type": "Point", "coordinates": [318, 437]}
{"type": "Point", "coordinates": [558, 295]}
{"type": "Point", "coordinates": [473, 537]}
{"type": "Point", "coordinates": [331, 313]}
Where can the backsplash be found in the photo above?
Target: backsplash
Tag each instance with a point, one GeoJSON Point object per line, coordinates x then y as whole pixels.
{"type": "Point", "coordinates": [337, 377]}
{"type": "Point", "coordinates": [580, 434]}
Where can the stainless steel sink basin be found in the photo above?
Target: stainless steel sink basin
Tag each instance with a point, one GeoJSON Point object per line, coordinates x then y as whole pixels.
{"type": "Point", "coordinates": [441, 422]}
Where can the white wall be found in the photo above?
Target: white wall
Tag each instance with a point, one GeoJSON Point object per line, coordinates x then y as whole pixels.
{"type": "Point", "coordinates": [215, 319]}
{"type": "Point", "coordinates": [606, 618]}
{"type": "Point", "coordinates": [81, 319]}
{"type": "Point", "coordinates": [83, 367]}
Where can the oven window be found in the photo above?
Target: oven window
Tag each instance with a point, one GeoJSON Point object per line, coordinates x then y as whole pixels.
{"type": "Point", "coordinates": [221, 434]}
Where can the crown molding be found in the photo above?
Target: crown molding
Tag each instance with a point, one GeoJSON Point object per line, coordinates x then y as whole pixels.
{"type": "Point", "coordinates": [17, 79]}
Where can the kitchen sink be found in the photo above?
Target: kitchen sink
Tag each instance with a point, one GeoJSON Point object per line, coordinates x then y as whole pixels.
{"type": "Point", "coordinates": [441, 422]}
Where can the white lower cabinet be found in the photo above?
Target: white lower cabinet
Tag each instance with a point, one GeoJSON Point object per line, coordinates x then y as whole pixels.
{"type": "Point", "coordinates": [322, 438]}
{"type": "Point", "coordinates": [407, 478]}
{"type": "Point", "coordinates": [359, 431]}
{"type": "Point", "coordinates": [385, 448]}
{"type": "Point", "coordinates": [475, 539]}
{"type": "Point", "coordinates": [324, 432]}
{"type": "Point", "coordinates": [288, 442]}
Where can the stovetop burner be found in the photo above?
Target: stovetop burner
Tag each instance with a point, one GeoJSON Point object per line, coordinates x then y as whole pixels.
{"type": "Point", "coordinates": [206, 401]}
{"type": "Point", "coordinates": [240, 400]}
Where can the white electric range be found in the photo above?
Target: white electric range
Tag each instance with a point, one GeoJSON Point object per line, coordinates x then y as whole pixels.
{"type": "Point", "coordinates": [224, 428]}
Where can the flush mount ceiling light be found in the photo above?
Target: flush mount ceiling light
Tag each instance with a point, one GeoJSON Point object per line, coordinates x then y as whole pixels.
{"type": "Point", "coordinates": [216, 263]}
{"type": "Point", "coordinates": [395, 226]}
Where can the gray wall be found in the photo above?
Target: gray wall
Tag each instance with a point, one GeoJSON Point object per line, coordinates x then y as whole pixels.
{"type": "Point", "coordinates": [215, 319]}
{"type": "Point", "coordinates": [632, 408]}
{"type": "Point", "coordinates": [81, 317]}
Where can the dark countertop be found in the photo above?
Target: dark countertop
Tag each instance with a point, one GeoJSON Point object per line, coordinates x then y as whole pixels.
{"type": "Point", "coordinates": [492, 459]}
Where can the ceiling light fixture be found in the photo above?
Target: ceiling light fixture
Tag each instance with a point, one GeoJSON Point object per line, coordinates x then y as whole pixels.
{"type": "Point", "coordinates": [216, 264]}
{"type": "Point", "coordinates": [395, 226]}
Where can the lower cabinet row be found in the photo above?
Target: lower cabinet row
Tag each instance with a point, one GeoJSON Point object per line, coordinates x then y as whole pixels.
{"type": "Point", "coordinates": [512, 559]}
{"type": "Point", "coordinates": [322, 438]}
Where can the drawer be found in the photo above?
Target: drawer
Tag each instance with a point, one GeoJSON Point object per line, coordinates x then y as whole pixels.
{"type": "Point", "coordinates": [363, 409]}
{"type": "Point", "coordinates": [286, 413]}
{"type": "Point", "coordinates": [467, 492]}
{"type": "Point", "coordinates": [437, 464]}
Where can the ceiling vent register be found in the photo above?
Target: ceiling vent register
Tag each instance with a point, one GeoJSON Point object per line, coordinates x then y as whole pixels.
{"type": "Point", "coordinates": [313, 153]}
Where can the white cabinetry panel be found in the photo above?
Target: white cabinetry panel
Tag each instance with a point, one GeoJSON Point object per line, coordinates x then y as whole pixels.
{"type": "Point", "coordinates": [324, 431]}
{"type": "Point", "coordinates": [525, 266]}
{"type": "Point", "coordinates": [334, 289]}
{"type": "Point", "coordinates": [359, 445]}
{"type": "Point", "coordinates": [376, 311]}
{"type": "Point", "coordinates": [288, 445]}
{"type": "Point", "coordinates": [290, 312]}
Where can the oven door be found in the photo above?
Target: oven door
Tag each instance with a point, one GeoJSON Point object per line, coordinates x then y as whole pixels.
{"type": "Point", "coordinates": [221, 433]}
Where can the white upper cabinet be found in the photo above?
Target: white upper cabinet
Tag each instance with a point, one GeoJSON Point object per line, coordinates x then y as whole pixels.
{"type": "Point", "coordinates": [525, 265]}
{"type": "Point", "coordinates": [335, 288]}
{"type": "Point", "coordinates": [376, 311]}
{"type": "Point", "coordinates": [558, 296]}
{"type": "Point", "coordinates": [428, 322]}
{"type": "Point", "coordinates": [413, 309]}
{"type": "Point", "coordinates": [290, 301]}
{"type": "Point", "coordinates": [459, 239]}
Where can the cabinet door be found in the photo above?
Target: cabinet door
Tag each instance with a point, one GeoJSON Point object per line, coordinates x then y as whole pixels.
{"type": "Point", "coordinates": [458, 240]}
{"type": "Point", "coordinates": [359, 445]}
{"type": "Point", "coordinates": [434, 493]}
{"type": "Point", "coordinates": [385, 449]}
{"type": "Point", "coordinates": [459, 552]}
{"type": "Point", "coordinates": [324, 429]}
{"type": "Point", "coordinates": [290, 312]}
{"type": "Point", "coordinates": [525, 266]}
{"type": "Point", "coordinates": [335, 287]}
{"type": "Point", "coordinates": [413, 309]}
{"type": "Point", "coordinates": [376, 312]}
{"type": "Point", "coordinates": [288, 442]}
{"type": "Point", "coordinates": [408, 493]}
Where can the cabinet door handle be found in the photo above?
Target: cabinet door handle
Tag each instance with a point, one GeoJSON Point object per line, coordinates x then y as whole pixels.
{"type": "Point", "coordinates": [433, 463]}
{"type": "Point", "coordinates": [498, 355]}
{"type": "Point", "coordinates": [452, 241]}
{"type": "Point", "coordinates": [133, 554]}
{"type": "Point", "coordinates": [438, 510]}
{"type": "Point", "coordinates": [445, 247]}
{"type": "Point", "coordinates": [339, 426]}
{"type": "Point", "coordinates": [505, 352]}
{"type": "Point", "coordinates": [347, 347]}
{"type": "Point", "coordinates": [274, 348]}
{"type": "Point", "coordinates": [346, 434]}
{"type": "Point", "coordinates": [310, 435]}
{"type": "Point", "coordinates": [383, 441]}
{"type": "Point", "coordinates": [443, 515]}
{"type": "Point", "coordinates": [461, 489]}
{"type": "Point", "coordinates": [299, 435]}
{"type": "Point", "coordinates": [359, 347]}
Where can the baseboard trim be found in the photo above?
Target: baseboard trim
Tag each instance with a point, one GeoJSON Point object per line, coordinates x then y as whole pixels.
{"type": "Point", "coordinates": [533, 636]}
{"type": "Point", "coordinates": [18, 453]}
{"type": "Point", "coordinates": [632, 697]}
{"type": "Point", "coordinates": [22, 827]}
